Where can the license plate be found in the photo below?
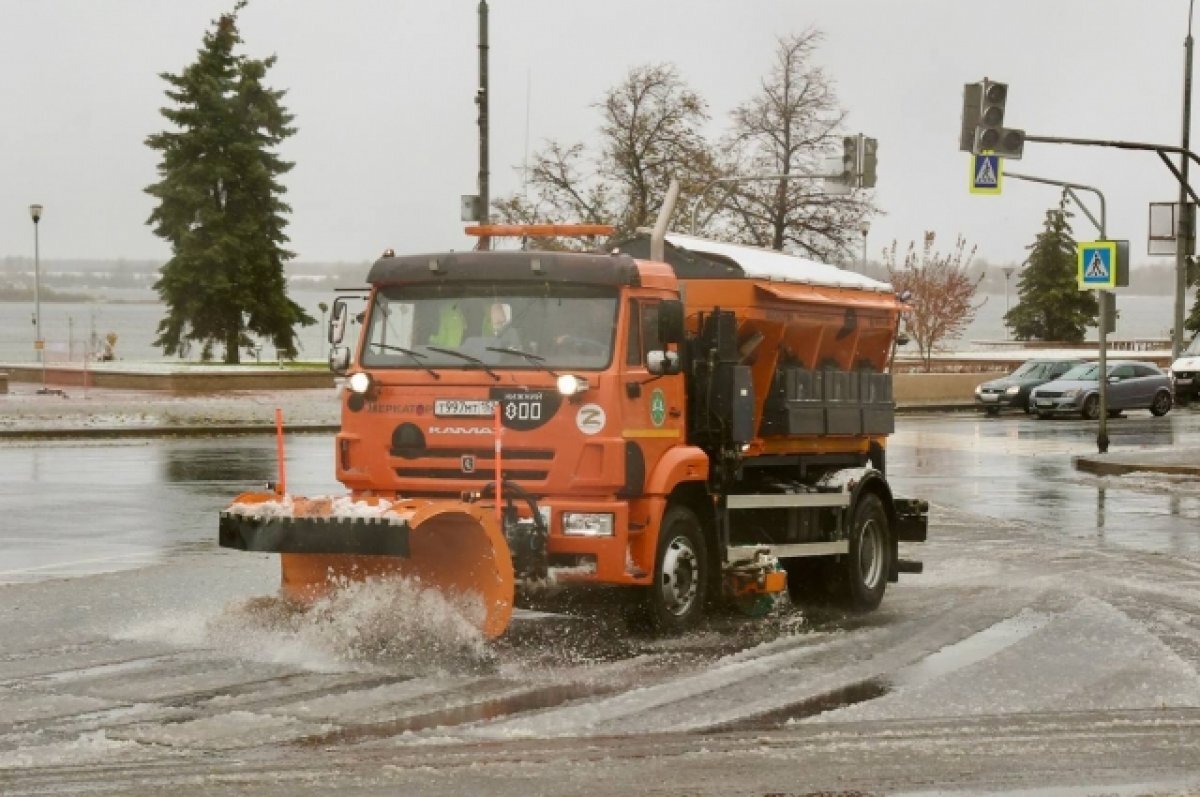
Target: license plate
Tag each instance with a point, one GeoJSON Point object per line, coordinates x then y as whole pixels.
{"type": "Point", "coordinates": [989, 397]}
{"type": "Point", "coordinates": [1187, 380]}
{"type": "Point", "coordinates": [459, 408]}
{"type": "Point", "coordinates": [1045, 403]}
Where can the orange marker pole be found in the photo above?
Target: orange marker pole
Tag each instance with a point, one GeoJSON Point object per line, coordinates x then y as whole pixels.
{"type": "Point", "coordinates": [498, 430]}
{"type": "Point", "coordinates": [280, 488]}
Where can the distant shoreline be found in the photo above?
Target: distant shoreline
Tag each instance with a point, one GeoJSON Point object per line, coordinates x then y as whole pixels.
{"type": "Point", "coordinates": [69, 298]}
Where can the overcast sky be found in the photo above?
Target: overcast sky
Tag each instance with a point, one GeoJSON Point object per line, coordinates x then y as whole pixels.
{"type": "Point", "coordinates": [382, 91]}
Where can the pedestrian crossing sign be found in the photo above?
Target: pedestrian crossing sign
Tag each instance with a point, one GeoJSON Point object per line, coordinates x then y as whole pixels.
{"type": "Point", "coordinates": [985, 174]}
{"type": "Point", "coordinates": [1097, 265]}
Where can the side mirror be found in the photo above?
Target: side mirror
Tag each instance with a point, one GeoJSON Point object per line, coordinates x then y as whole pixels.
{"type": "Point", "coordinates": [339, 359]}
{"type": "Point", "coordinates": [337, 322]}
{"type": "Point", "coordinates": [670, 321]}
{"type": "Point", "coordinates": [1112, 380]}
{"type": "Point", "coordinates": [662, 363]}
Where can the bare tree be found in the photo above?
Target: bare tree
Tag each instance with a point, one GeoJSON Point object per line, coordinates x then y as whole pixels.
{"type": "Point", "coordinates": [650, 133]}
{"type": "Point", "coordinates": [941, 297]}
{"type": "Point", "coordinates": [790, 127]}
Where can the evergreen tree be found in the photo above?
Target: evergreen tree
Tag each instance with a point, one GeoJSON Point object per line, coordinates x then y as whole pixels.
{"type": "Point", "coordinates": [219, 204]}
{"type": "Point", "coordinates": [1192, 322]}
{"type": "Point", "coordinates": [1050, 305]}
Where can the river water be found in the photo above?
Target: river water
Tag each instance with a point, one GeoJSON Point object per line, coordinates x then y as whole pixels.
{"type": "Point", "coordinates": [134, 316]}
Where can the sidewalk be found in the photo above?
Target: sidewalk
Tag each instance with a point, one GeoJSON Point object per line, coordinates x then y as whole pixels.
{"type": "Point", "coordinates": [105, 412]}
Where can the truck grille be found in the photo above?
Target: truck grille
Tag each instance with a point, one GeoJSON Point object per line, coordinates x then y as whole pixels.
{"type": "Point", "coordinates": [446, 463]}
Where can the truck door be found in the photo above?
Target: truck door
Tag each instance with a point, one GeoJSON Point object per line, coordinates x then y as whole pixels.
{"type": "Point", "coordinates": [653, 408]}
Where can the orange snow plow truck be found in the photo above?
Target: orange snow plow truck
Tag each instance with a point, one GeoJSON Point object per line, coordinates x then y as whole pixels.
{"type": "Point", "coordinates": [684, 419]}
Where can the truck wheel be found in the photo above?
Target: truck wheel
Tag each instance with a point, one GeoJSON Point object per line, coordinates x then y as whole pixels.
{"type": "Point", "coordinates": [864, 572]}
{"type": "Point", "coordinates": [1161, 405]}
{"type": "Point", "coordinates": [675, 601]}
{"type": "Point", "coordinates": [1091, 408]}
{"type": "Point", "coordinates": [992, 411]}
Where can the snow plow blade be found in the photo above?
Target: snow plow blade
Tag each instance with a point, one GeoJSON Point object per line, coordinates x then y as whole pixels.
{"type": "Point", "coordinates": [451, 546]}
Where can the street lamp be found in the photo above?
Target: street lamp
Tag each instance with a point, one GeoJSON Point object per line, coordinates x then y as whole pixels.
{"type": "Point", "coordinates": [323, 308]}
{"type": "Point", "coordinates": [35, 212]}
{"type": "Point", "coordinates": [864, 227]}
{"type": "Point", "coordinates": [1008, 270]}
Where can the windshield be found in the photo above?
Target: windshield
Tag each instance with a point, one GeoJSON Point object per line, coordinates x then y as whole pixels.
{"type": "Point", "coordinates": [1082, 373]}
{"type": "Point", "coordinates": [1193, 348]}
{"type": "Point", "coordinates": [535, 326]}
{"type": "Point", "coordinates": [1030, 369]}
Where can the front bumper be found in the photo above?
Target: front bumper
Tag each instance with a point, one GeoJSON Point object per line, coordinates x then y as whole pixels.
{"type": "Point", "coordinates": [1186, 385]}
{"type": "Point", "coordinates": [1065, 404]}
{"type": "Point", "coordinates": [989, 401]}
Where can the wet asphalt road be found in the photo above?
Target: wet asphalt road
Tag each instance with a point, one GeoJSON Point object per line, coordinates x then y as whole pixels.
{"type": "Point", "coordinates": [73, 508]}
{"type": "Point", "coordinates": [1053, 642]}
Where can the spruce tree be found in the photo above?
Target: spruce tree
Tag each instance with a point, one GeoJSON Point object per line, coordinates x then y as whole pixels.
{"type": "Point", "coordinates": [1050, 305]}
{"type": "Point", "coordinates": [219, 204]}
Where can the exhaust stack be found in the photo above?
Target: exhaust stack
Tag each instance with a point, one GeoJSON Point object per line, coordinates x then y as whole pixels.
{"type": "Point", "coordinates": [658, 239]}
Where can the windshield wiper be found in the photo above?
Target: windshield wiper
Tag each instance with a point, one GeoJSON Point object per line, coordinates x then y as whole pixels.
{"type": "Point", "coordinates": [468, 358]}
{"type": "Point", "coordinates": [416, 355]}
{"type": "Point", "coordinates": [533, 358]}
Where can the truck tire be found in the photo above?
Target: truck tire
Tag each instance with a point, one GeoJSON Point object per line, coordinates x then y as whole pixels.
{"type": "Point", "coordinates": [863, 575]}
{"type": "Point", "coordinates": [675, 601]}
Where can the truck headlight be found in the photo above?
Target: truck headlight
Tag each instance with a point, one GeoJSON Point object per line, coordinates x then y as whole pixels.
{"type": "Point", "coordinates": [359, 382]}
{"type": "Point", "coordinates": [1014, 390]}
{"type": "Point", "coordinates": [587, 524]}
{"type": "Point", "coordinates": [570, 385]}
{"type": "Point", "coordinates": [978, 389]}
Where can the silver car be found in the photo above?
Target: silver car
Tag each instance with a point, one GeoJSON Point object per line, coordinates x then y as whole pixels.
{"type": "Point", "coordinates": [1131, 385]}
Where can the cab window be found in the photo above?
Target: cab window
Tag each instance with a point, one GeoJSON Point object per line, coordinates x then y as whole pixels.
{"type": "Point", "coordinates": [643, 332]}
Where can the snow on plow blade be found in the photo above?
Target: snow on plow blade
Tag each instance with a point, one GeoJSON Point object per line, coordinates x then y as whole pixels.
{"type": "Point", "coordinates": [452, 546]}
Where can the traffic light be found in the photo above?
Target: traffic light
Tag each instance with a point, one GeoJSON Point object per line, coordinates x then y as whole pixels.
{"type": "Point", "coordinates": [869, 162]}
{"type": "Point", "coordinates": [850, 159]}
{"type": "Point", "coordinates": [992, 97]}
{"type": "Point", "coordinates": [990, 133]}
{"type": "Point", "coordinates": [972, 100]}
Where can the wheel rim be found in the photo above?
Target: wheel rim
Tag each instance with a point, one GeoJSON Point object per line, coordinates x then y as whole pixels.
{"type": "Point", "coordinates": [679, 584]}
{"type": "Point", "coordinates": [870, 553]}
{"type": "Point", "coordinates": [1162, 403]}
{"type": "Point", "coordinates": [1091, 407]}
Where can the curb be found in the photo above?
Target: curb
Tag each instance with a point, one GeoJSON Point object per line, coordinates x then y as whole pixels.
{"type": "Point", "coordinates": [222, 430]}
{"type": "Point", "coordinates": [1111, 468]}
{"type": "Point", "coordinates": [163, 431]}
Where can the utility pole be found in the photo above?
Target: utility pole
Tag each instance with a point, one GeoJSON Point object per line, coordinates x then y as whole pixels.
{"type": "Point", "coordinates": [1185, 223]}
{"type": "Point", "coordinates": [481, 99]}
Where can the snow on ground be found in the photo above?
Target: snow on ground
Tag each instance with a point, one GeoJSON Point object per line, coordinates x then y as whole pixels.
{"type": "Point", "coordinates": [1065, 662]}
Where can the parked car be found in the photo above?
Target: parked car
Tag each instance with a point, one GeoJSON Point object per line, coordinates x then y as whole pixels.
{"type": "Point", "coordinates": [1131, 385]}
{"type": "Point", "coordinates": [1012, 391]}
{"type": "Point", "coordinates": [1185, 373]}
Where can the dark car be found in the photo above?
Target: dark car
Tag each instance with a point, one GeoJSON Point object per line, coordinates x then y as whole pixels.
{"type": "Point", "coordinates": [1012, 391]}
{"type": "Point", "coordinates": [1131, 385]}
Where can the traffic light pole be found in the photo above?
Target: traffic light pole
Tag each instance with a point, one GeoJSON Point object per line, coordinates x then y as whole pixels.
{"type": "Point", "coordinates": [1183, 229]}
{"type": "Point", "coordinates": [1102, 377]}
